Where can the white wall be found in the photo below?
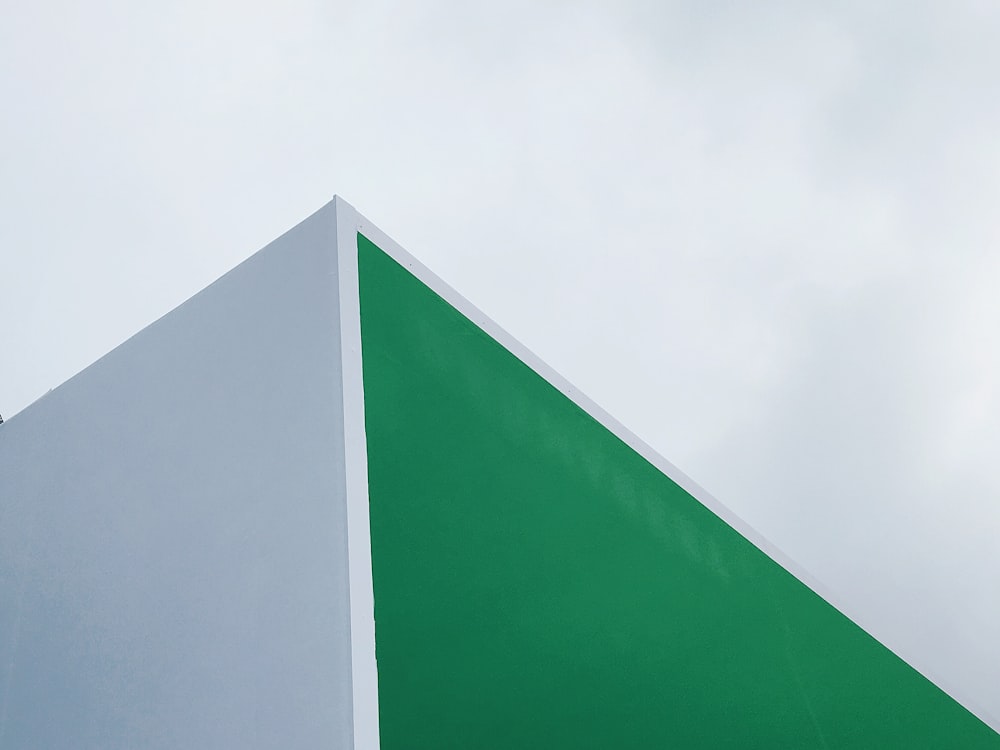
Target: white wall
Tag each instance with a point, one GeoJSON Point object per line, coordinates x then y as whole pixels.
{"type": "Point", "coordinates": [173, 531]}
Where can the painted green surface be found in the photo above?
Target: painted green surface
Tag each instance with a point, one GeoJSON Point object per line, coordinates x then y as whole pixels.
{"type": "Point", "coordinates": [540, 585]}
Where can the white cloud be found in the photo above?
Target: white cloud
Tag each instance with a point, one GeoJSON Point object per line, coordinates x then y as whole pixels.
{"type": "Point", "coordinates": [762, 236]}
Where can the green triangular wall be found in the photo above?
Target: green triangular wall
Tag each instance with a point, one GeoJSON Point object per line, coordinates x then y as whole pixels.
{"type": "Point", "coordinates": [538, 584]}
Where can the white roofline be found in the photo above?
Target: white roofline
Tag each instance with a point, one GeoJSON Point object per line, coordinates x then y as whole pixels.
{"type": "Point", "coordinates": [350, 222]}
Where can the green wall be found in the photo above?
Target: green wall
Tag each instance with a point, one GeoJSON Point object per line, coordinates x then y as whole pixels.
{"type": "Point", "coordinates": [538, 584]}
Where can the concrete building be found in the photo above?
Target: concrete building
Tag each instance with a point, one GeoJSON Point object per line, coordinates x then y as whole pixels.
{"type": "Point", "coordinates": [326, 503]}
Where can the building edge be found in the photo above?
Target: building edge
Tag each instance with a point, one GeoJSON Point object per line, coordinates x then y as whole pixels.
{"type": "Point", "coordinates": [350, 223]}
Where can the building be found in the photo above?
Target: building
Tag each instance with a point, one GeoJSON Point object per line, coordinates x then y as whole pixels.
{"type": "Point", "coordinates": [327, 503]}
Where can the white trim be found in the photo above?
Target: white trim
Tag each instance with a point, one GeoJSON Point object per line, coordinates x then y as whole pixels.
{"type": "Point", "coordinates": [364, 671]}
{"type": "Point", "coordinates": [466, 308]}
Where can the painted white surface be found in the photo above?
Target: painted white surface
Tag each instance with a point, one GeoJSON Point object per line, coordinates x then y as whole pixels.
{"type": "Point", "coordinates": [173, 560]}
{"type": "Point", "coordinates": [364, 668]}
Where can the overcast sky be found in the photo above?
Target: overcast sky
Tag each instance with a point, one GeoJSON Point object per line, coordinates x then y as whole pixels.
{"type": "Point", "coordinates": [762, 235]}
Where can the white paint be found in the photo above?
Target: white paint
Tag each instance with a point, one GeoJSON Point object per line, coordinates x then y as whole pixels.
{"type": "Point", "coordinates": [173, 529]}
{"type": "Point", "coordinates": [363, 665]}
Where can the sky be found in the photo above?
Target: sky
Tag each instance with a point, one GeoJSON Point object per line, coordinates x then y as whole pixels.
{"type": "Point", "coordinates": [763, 236]}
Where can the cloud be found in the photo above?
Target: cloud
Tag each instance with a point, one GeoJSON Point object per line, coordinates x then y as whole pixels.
{"type": "Point", "coordinates": [762, 237]}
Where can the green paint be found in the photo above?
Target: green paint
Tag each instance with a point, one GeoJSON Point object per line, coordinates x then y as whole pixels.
{"type": "Point", "coordinates": [540, 585]}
